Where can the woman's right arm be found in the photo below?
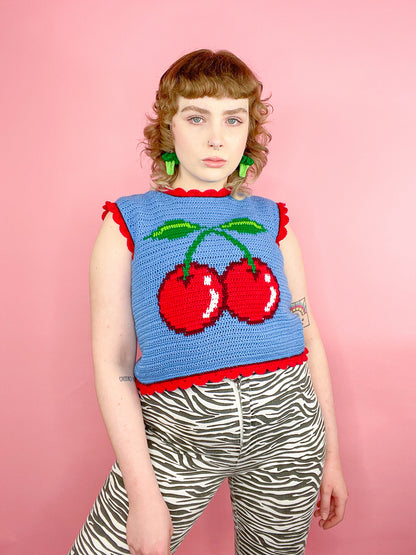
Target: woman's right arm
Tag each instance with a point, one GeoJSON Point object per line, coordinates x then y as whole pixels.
{"type": "Point", "coordinates": [149, 526]}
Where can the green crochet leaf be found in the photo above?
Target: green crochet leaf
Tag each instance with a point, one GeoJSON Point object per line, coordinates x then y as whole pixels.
{"type": "Point", "coordinates": [173, 229]}
{"type": "Point", "coordinates": [243, 225]}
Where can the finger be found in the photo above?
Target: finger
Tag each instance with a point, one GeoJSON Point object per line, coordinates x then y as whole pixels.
{"type": "Point", "coordinates": [331, 514]}
{"type": "Point", "coordinates": [331, 522]}
{"type": "Point", "coordinates": [337, 514]}
{"type": "Point", "coordinates": [325, 504]}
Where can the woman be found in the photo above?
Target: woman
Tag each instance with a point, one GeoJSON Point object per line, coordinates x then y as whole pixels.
{"type": "Point", "coordinates": [209, 280]}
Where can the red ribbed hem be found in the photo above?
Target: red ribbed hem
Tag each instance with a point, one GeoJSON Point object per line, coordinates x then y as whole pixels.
{"type": "Point", "coordinates": [179, 192]}
{"type": "Point", "coordinates": [218, 375]}
{"type": "Point", "coordinates": [118, 218]}
{"type": "Point", "coordinates": [283, 221]}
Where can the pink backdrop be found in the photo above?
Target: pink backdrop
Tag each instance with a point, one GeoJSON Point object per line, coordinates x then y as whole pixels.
{"type": "Point", "coordinates": [77, 78]}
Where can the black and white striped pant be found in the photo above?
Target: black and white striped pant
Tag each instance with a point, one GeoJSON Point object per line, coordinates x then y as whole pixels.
{"type": "Point", "coordinates": [265, 433]}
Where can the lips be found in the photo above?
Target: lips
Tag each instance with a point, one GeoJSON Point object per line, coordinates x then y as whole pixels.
{"type": "Point", "coordinates": [214, 162]}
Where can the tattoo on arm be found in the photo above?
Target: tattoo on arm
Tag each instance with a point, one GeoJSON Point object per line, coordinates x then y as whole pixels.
{"type": "Point", "coordinates": [126, 378]}
{"type": "Point", "coordinates": [299, 308]}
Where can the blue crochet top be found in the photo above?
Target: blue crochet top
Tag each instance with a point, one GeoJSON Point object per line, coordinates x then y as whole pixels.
{"type": "Point", "coordinates": [209, 295]}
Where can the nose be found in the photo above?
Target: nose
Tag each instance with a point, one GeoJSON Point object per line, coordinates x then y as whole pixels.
{"type": "Point", "coordinates": [216, 145]}
{"type": "Point", "coordinates": [215, 139]}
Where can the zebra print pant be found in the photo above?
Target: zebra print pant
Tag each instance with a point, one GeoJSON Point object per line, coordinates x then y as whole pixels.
{"type": "Point", "coordinates": [265, 433]}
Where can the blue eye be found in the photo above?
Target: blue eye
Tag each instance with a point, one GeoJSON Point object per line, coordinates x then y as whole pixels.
{"type": "Point", "coordinates": [233, 121]}
{"type": "Point", "coordinates": [196, 119]}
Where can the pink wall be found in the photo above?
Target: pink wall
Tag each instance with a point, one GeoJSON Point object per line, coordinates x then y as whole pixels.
{"type": "Point", "coordinates": [77, 78]}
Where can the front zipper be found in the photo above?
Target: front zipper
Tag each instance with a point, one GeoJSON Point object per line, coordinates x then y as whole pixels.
{"type": "Point", "coordinates": [237, 390]}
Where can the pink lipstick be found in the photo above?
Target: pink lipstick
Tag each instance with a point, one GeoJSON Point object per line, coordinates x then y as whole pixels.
{"type": "Point", "coordinates": [214, 162]}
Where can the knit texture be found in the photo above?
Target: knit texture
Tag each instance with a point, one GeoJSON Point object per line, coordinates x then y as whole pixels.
{"type": "Point", "coordinates": [208, 287]}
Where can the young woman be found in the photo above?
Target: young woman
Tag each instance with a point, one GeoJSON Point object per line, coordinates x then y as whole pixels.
{"type": "Point", "coordinates": [232, 381]}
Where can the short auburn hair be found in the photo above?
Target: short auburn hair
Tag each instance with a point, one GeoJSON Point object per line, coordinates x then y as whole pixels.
{"type": "Point", "coordinates": [195, 75]}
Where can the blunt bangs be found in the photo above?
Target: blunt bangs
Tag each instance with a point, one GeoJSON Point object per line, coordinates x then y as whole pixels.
{"type": "Point", "coordinates": [204, 85]}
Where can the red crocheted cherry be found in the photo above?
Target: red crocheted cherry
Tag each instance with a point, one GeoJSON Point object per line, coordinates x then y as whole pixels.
{"type": "Point", "coordinates": [190, 305]}
{"type": "Point", "coordinates": [251, 297]}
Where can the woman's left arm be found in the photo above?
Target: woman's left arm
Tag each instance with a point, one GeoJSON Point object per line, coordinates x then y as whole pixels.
{"type": "Point", "coordinates": [333, 492]}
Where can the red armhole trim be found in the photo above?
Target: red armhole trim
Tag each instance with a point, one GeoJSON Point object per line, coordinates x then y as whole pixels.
{"type": "Point", "coordinates": [118, 218]}
{"type": "Point", "coordinates": [218, 375]}
{"type": "Point", "coordinates": [283, 221]}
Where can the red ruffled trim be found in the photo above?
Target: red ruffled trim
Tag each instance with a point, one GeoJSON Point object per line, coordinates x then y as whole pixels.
{"type": "Point", "coordinates": [179, 192]}
{"type": "Point", "coordinates": [219, 375]}
{"type": "Point", "coordinates": [283, 221]}
{"type": "Point", "coordinates": [118, 218]}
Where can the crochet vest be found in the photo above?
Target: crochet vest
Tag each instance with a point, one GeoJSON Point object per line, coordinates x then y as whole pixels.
{"type": "Point", "coordinates": [209, 295]}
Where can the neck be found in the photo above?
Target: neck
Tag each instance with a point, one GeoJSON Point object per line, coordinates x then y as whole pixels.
{"type": "Point", "coordinates": [188, 182]}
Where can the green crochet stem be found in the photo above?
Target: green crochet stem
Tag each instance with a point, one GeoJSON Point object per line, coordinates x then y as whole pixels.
{"type": "Point", "coordinates": [201, 237]}
{"type": "Point", "coordinates": [176, 229]}
{"type": "Point", "coordinates": [171, 160]}
{"type": "Point", "coordinates": [245, 163]}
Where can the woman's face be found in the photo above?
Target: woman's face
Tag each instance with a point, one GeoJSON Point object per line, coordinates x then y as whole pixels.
{"type": "Point", "coordinates": [210, 136]}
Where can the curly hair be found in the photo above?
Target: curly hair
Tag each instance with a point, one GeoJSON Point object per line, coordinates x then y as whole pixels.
{"type": "Point", "coordinates": [215, 74]}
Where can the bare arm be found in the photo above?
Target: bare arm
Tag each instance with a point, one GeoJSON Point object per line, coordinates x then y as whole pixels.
{"type": "Point", "coordinates": [331, 506]}
{"type": "Point", "coordinates": [114, 352]}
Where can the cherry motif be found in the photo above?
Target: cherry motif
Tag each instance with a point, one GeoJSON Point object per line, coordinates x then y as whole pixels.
{"type": "Point", "coordinates": [251, 297]}
{"type": "Point", "coordinates": [193, 296]}
{"type": "Point", "coordinates": [189, 305]}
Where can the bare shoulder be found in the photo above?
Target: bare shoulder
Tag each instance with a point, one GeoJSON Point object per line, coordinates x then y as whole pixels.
{"type": "Point", "coordinates": [110, 243]}
{"type": "Point", "coordinates": [110, 263]}
{"type": "Point", "coordinates": [113, 335]}
{"type": "Point", "coordinates": [293, 266]}
{"type": "Point", "coordinates": [290, 248]}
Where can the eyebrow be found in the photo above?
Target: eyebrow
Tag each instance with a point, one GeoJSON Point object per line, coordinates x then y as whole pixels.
{"type": "Point", "coordinates": [206, 112]}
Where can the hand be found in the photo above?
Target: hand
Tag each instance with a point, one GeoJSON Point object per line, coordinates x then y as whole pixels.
{"type": "Point", "coordinates": [149, 527]}
{"type": "Point", "coordinates": [331, 505]}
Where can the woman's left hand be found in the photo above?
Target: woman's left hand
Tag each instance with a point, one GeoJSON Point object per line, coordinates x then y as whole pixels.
{"type": "Point", "coordinates": [333, 494]}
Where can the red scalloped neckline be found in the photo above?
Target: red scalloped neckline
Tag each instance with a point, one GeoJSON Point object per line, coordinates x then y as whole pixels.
{"type": "Point", "coordinates": [180, 192]}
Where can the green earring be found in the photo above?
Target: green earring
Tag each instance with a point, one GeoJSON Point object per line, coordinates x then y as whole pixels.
{"type": "Point", "coordinates": [171, 160]}
{"type": "Point", "coordinates": [245, 163]}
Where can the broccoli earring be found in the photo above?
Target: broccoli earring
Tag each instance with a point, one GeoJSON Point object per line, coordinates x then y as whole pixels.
{"type": "Point", "coordinates": [171, 160]}
{"type": "Point", "coordinates": [245, 163]}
